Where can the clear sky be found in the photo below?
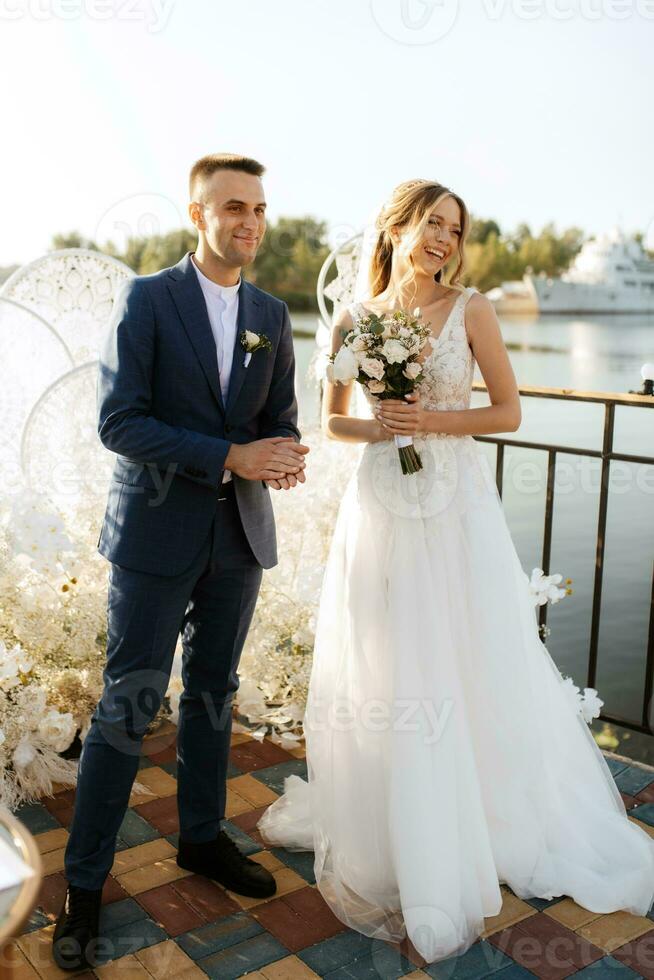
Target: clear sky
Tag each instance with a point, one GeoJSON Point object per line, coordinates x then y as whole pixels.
{"type": "Point", "coordinates": [532, 110]}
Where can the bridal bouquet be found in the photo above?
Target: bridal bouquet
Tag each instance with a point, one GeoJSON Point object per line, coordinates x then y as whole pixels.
{"type": "Point", "coordinates": [381, 353]}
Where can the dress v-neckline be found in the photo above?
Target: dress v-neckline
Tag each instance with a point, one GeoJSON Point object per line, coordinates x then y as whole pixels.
{"type": "Point", "coordinates": [433, 341]}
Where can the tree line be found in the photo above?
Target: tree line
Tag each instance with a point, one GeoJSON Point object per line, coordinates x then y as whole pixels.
{"type": "Point", "coordinates": [294, 249]}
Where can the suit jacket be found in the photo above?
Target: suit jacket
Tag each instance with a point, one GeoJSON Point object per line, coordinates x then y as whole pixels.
{"type": "Point", "coordinates": [160, 409]}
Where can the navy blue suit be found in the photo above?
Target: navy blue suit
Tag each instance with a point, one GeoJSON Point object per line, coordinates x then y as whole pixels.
{"type": "Point", "coordinates": [187, 552]}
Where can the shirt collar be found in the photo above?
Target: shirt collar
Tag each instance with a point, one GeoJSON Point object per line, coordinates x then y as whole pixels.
{"type": "Point", "coordinates": [226, 293]}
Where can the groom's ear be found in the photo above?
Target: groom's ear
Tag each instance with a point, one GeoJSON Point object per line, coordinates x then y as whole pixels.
{"type": "Point", "coordinates": [195, 214]}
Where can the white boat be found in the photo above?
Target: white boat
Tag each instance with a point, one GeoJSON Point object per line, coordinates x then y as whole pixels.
{"type": "Point", "coordinates": [611, 274]}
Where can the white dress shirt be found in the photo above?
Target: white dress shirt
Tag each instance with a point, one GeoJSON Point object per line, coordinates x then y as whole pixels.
{"type": "Point", "coordinates": [222, 307]}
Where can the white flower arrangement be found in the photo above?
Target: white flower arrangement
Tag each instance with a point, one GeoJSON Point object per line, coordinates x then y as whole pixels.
{"type": "Point", "coordinates": [545, 588]}
{"type": "Point", "coordinates": [52, 630]}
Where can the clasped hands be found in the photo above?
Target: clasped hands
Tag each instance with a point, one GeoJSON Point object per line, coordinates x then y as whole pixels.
{"type": "Point", "coordinates": [277, 461]}
{"type": "Point", "coordinates": [401, 418]}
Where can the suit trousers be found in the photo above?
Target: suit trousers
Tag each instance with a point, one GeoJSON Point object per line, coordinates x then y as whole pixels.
{"type": "Point", "coordinates": [211, 604]}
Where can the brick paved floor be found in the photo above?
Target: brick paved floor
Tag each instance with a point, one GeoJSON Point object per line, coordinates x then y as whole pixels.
{"type": "Point", "coordinates": [164, 922]}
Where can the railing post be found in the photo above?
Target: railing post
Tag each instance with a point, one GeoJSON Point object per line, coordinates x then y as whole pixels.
{"type": "Point", "coordinates": [607, 449]}
{"type": "Point", "coordinates": [547, 529]}
{"type": "Point", "coordinates": [649, 667]}
{"type": "Point", "coordinates": [499, 468]}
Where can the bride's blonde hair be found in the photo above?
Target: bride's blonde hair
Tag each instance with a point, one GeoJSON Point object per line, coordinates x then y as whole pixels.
{"type": "Point", "coordinates": [409, 208]}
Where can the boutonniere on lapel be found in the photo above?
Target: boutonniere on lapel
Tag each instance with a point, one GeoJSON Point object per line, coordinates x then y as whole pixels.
{"type": "Point", "coordinates": [252, 342]}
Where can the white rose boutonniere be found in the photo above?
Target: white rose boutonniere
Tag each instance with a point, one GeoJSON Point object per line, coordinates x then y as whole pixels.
{"type": "Point", "coordinates": [252, 342]}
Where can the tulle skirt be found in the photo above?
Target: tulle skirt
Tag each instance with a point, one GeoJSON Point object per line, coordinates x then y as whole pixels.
{"type": "Point", "coordinates": [444, 753]}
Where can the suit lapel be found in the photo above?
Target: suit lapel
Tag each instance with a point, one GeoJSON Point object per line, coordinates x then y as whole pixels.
{"type": "Point", "coordinates": [189, 300]}
{"type": "Point", "coordinates": [246, 319]}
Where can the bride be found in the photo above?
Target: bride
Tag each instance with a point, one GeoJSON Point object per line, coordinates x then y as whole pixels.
{"type": "Point", "coordinates": [444, 754]}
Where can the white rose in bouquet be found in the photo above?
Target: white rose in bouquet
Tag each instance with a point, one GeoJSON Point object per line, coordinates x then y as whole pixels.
{"type": "Point", "coordinates": [373, 367]}
{"type": "Point", "coordinates": [394, 351]}
{"type": "Point", "coordinates": [345, 365]}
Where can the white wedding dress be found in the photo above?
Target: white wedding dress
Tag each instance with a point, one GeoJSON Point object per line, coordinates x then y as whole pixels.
{"type": "Point", "coordinates": [444, 753]}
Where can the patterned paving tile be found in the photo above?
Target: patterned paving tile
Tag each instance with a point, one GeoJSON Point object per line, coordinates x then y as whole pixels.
{"type": "Point", "coordinates": [246, 844]}
{"type": "Point", "coordinates": [571, 915]}
{"type": "Point", "coordinates": [161, 815]}
{"type": "Point", "coordinates": [285, 878]}
{"type": "Point", "coordinates": [122, 913]}
{"type": "Point", "coordinates": [37, 818]}
{"type": "Point", "coordinates": [36, 947]}
{"type": "Point", "coordinates": [644, 813]}
{"type": "Point", "coordinates": [169, 910]}
{"type": "Point", "coordinates": [256, 792]}
{"type": "Point", "coordinates": [483, 959]}
{"type": "Point", "coordinates": [274, 776]}
{"type": "Point", "coordinates": [52, 840]}
{"type": "Point", "coordinates": [243, 957]}
{"type": "Point", "coordinates": [235, 804]}
{"type": "Point", "coordinates": [128, 938]}
{"type": "Point", "coordinates": [298, 919]}
{"type": "Point", "coordinates": [135, 830]}
{"type": "Point", "coordinates": [157, 781]}
{"type": "Point", "coordinates": [513, 910]}
{"type": "Point", "coordinates": [547, 948]}
{"type": "Point", "coordinates": [638, 955]}
{"type": "Point", "coordinates": [615, 765]}
{"type": "Point", "coordinates": [612, 931]}
{"type": "Point", "coordinates": [16, 965]}
{"type": "Point", "coordinates": [53, 861]}
{"type": "Point", "coordinates": [162, 922]}
{"type": "Point", "coordinates": [166, 961]}
{"type": "Point", "coordinates": [632, 780]}
{"type": "Point", "coordinates": [125, 968]}
{"type": "Point", "coordinates": [143, 854]}
{"type": "Point", "coordinates": [247, 821]}
{"type": "Point", "coordinates": [151, 876]}
{"type": "Point", "coordinates": [254, 755]}
{"type": "Point", "coordinates": [646, 795]}
{"type": "Point", "coordinates": [300, 861]}
{"type": "Point", "coordinates": [288, 968]}
{"type": "Point", "coordinates": [330, 954]}
{"type": "Point", "coordinates": [209, 899]}
{"type": "Point", "coordinates": [216, 936]}
{"type": "Point", "coordinates": [607, 968]}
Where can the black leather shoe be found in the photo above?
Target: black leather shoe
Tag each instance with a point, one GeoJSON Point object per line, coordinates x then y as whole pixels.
{"type": "Point", "coordinates": [76, 932]}
{"type": "Point", "coordinates": [221, 860]}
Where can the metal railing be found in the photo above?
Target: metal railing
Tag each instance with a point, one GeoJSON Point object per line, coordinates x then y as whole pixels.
{"type": "Point", "coordinates": [607, 455]}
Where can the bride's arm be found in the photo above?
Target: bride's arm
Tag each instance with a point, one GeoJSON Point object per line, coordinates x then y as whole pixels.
{"type": "Point", "coordinates": [336, 422]}
{"type": "Point", "coordinates": [504, 414]}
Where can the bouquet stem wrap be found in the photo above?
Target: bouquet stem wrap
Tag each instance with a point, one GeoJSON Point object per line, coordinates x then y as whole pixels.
{"type": "Point", "coordinates": [409, 457]}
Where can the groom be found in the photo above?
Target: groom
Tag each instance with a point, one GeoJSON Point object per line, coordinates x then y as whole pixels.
{"type": "Point", "coordinates": [202, 429]}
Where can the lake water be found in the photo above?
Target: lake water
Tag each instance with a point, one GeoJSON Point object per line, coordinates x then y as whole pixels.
{"type": "Point", "coordinates": [587, 354]}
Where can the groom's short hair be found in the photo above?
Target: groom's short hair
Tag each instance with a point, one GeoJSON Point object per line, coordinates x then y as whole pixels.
{"type": "Point", "coordinates": [203, 168]}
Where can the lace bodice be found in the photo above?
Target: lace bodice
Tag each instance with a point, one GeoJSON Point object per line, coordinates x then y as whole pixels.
{"type": "Point", "coordinates": [448, 368]}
